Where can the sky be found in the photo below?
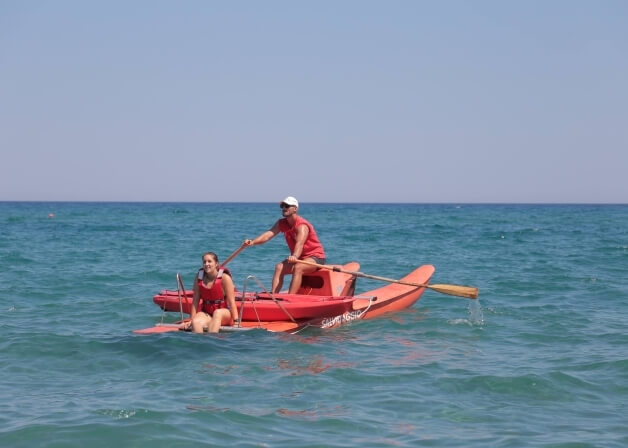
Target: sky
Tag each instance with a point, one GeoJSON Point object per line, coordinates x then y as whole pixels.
{"type": "Point", "coordinates": [451, 101]}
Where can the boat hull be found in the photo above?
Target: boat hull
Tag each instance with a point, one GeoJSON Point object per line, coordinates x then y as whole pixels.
{"type": "Point", "coordinates": [256, 307]}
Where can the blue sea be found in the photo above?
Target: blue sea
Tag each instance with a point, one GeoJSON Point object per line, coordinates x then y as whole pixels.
{"type": "Point", "coordinates": [541, 359]}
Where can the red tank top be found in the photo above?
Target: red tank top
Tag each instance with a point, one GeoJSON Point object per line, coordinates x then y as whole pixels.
{"type": "Point", "coordinates": [312, 246]}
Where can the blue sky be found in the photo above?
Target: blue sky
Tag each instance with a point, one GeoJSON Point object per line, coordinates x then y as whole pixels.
{"type": "Point", "coordinates": [328, 101]}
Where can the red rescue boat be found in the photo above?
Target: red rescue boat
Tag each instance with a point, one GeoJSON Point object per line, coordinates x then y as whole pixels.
{"type": "Point", "coordinates": [325, 300]}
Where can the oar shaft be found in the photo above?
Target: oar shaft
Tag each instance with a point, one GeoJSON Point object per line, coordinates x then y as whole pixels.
{"type": "Point", "coordinates": [469, 292]}
{"type": "Point", "coordinates": [233, 255]}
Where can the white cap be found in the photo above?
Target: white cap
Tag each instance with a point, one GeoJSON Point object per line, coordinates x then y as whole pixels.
{"type": "Point", "coordinates": [290, 201]}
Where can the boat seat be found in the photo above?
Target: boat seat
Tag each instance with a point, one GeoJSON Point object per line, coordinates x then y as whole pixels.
{"type": "Point", "coordinates": [324, 282]}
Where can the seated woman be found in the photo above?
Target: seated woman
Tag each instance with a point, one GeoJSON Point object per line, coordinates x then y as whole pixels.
{"type": "Point", "coordinates": [214, 287]}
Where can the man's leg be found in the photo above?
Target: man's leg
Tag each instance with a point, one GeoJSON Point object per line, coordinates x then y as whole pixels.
{"type": "Point", "coordinates": [297, 274]}
{"type": "Point", "coordinates": [281, 270]}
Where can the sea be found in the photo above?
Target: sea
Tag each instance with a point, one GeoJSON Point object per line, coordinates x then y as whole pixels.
{"type": "Point", "coordinates": [539, 360]}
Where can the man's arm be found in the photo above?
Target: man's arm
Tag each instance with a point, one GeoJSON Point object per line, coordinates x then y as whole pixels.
{"type": "Point", "coordinates": [264, 236]}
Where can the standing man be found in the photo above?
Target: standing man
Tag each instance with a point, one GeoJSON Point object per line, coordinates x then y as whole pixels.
{"type": "Point", "coordinates": [302, 242]}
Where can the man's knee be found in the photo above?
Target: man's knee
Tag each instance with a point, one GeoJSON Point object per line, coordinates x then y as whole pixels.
{"type": "Point", "coordinates": [303, 269]}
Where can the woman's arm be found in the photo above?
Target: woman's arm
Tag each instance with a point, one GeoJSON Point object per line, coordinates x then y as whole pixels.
{"type": "Point", "coordinates": [229, 290]}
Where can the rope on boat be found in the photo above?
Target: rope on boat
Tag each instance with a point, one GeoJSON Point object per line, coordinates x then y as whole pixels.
{"type": "Point", "coordinates": [266, 291]}
{"type": "Point", "coordinates": [371, 300]}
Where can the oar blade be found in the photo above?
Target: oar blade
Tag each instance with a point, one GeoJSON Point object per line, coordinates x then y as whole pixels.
{"type": "Point", "coordinates": [469, 292]}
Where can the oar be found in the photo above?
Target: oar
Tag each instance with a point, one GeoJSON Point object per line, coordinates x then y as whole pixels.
{"type": "Point", "coordinates": [233, 255]}
{"type": "Point", "coordinates": [470, 292]}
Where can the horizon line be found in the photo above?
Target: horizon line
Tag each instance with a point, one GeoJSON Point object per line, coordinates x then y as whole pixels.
{"type": "Point", "coordinates": [309, 202]}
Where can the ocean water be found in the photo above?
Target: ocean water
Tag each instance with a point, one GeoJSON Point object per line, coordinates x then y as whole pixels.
{"type": "Point", "coordinates": [541, 359]}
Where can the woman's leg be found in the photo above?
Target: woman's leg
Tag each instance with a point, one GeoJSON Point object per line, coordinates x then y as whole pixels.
{"type": "Point", "coordinates": [221, 316]}
{"type": "Point", "coordinates": [200, 320]}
